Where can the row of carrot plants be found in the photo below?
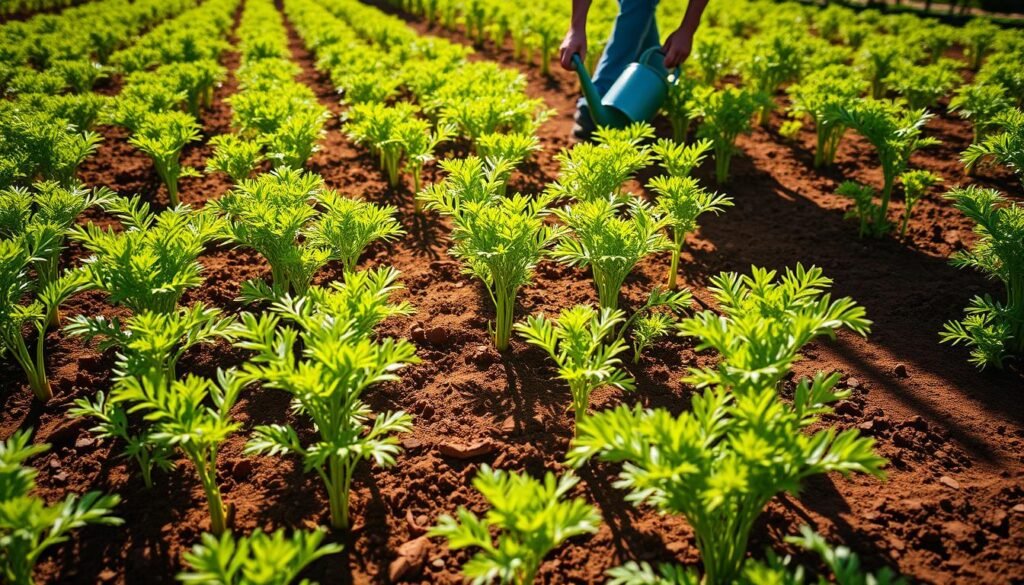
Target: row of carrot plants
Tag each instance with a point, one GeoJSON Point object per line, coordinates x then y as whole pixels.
{"type": "Point", "coordinates": [171, 73]}
{"type": "Point", "coordinates": [276, 118]}
{"type": "Point", "coordinates": [993, 327]}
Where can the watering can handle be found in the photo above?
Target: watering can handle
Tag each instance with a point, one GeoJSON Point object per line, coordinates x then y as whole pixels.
{"type": "Point", "coordinates": [577, 63]}
{"type": "Point", "coordinates": [646, 56]}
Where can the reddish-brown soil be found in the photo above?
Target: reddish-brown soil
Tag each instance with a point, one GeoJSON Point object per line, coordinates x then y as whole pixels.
{"type": "Point", "coordinates": [951, 511]}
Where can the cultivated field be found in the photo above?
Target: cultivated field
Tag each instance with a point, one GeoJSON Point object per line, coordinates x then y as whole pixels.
{"type": "Point", "coordinates": [312, 289]}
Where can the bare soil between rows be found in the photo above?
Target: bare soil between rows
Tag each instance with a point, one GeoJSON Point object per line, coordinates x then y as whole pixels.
{"type": "Point", "coordinates": [951, 511]}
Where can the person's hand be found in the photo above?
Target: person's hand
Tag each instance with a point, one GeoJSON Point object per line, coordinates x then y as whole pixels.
{"type": "Point", "coordinates": [677, 47]}
{"type": "Point", "coordinates": [575, 41]}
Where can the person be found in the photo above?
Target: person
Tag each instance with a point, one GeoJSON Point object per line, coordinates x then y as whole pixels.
{"type": "Point", "coordinates": [635, 30]}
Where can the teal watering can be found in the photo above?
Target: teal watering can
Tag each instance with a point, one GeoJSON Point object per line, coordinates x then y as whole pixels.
{"type": "Point", "coordinates": [634, 97]}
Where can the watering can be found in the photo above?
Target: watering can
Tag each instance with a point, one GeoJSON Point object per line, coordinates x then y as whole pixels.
{"type": "Point", "coordinates": [634, 97]}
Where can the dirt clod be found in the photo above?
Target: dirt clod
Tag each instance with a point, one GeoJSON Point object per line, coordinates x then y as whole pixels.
{"type": "Point", "coordinates": [242, 469]}
{"type": "Point", "coordinates": [949, 482]}
{"type": "Point", "coordinates": [460, 450]}
{"type": "Point", "coordinates": [409, 562]}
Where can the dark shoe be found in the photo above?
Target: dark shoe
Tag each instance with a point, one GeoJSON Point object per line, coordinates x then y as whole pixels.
{"type": "Point", "coordinates": [581, 134]}
{"type": "Point", "coordinates": [583, 129]}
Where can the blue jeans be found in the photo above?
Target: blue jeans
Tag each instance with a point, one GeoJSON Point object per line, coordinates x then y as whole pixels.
{"type": "Point", "coordinates": [635, 30]}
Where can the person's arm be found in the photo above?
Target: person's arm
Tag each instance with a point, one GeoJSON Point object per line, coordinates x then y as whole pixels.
{"type": "Point", "coordinates": [575, 40]}
{"type": "Point", "coordinates": [678, 45]}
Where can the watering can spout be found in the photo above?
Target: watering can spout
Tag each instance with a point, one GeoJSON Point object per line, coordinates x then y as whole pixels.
{"type": "Point", "coordinates": [601, 115]}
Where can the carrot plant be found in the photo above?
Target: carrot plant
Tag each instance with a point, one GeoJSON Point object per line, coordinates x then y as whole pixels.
{"type": "Point", "coordinates": [877, 61]}
{"type": "Point", "coordinates": [197, 79]}
{"type": "Point", "coordinates": [234, 156]}
{"type": "Point", "coordinates": [739, 450]}
{"type": "Point", "coordinates": [28, 525]}
{"type": "Point", "coordinates": [548, 32]}
{"type": "Point", "coordinates": [296, 138]}
{"type": "Point", "coordinates": [379, 127]}
{"type": "Point", "coordinates": [36, 146]}
{"type": "Point", "coordinates": [814, 94]}
{"type": "Point", "coordinates": [419, 143]}
{"type": "Point", "coordinates": [149, 345]}
{"type": "Point", "coordinates": [681, 200]}
{"type": "Point", "coordinates": [936, 39]}
{"type": "Point", "coordinates": [79, 76]}
{"type": "Point", "coordinates": [864, 208]}
{"type": "Point", "coordinates": [44, 215]}
{"type": "Point", "coordinates": [468, 179]}
{"type": "Point", "coordinates": [476, 14]}
{"type": "Point", "coordinates": [608, 243]}
{"type": "Point", "coordinates": [487, 112]}
{"type": "Point", "coordinates": [138, 101]}
{"type": "Point", "coordinates": [516, 148]}
{"type": "Point", "coordinates": [1005, 145]}
{"type": "Point", "coordinates": [821, 54]}
{"type": "Point", "coordinates": [499, 241]}
{"type": "Point", "coordinates": [193, 80]}
{"type": "Point", "coordinates": [530, 519]}
{"type": "Point", "coordinates": [980, 104]}
{"type": "Point", "coordinates": [271, 214]}
{"type": "Point", "coordinates": [257, 559]}
{"type": "Point", "coordinates": [366, 86]}
{"type": "Point", "coordinates": [598, 171]}
{"type": "Point", "coordinates": [1004, 69]}
{"type": "Point", "coordinates": [634, 134]}
{"type": "Point", "coordinates": [17, 258]}
{"type": "Point", "coordinates": [338, 361]}
{"type": "Point", "coordinates": [112, 422]}
{"type": "Point", "coordinates": [896, 133]}
{"type": "Point", "coordinates": [712, 56]}
{"type": "Point", "coordinates": [191, 415]}
{"type": "Point", "coordinates": [298, 226]}
{"type": "Point", "coordinates": [923, 85]}
{"type": "Point", "coordinates": [726, 114]}
{"type": "Point", "coordinates": [647, 329]}
{"type": "Point", "coordinates": [915, 184]}
{"type": "Point", "coordinates": [979, 36]}
{"type": "Point", "coordinates": [150, 263]}
{"type": "Point", "coordinates": [583, 344]}
{"type": "Point", "coordinates": [680, 108]}
{"type": "Point", "coordinates": [81, 111]}
{"type": "Point", "coordinates": [842, 562]}
{"type": "Point", "coordinates": [994, 330]}
{"type": "Point", "coordinates": [162, 136]}
{"type": "Point", "coordinates": [773, 59]}
{"type": "Point", "coordinates": [348, 225]}
{"type": "Point", "coordinates": [679, 160]}
{"type": "Point", "coordinates": [765, 321]}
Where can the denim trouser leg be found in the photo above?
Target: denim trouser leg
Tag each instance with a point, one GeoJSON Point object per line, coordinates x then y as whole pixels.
{"type": "Point", "coordinates": [635, 30]}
